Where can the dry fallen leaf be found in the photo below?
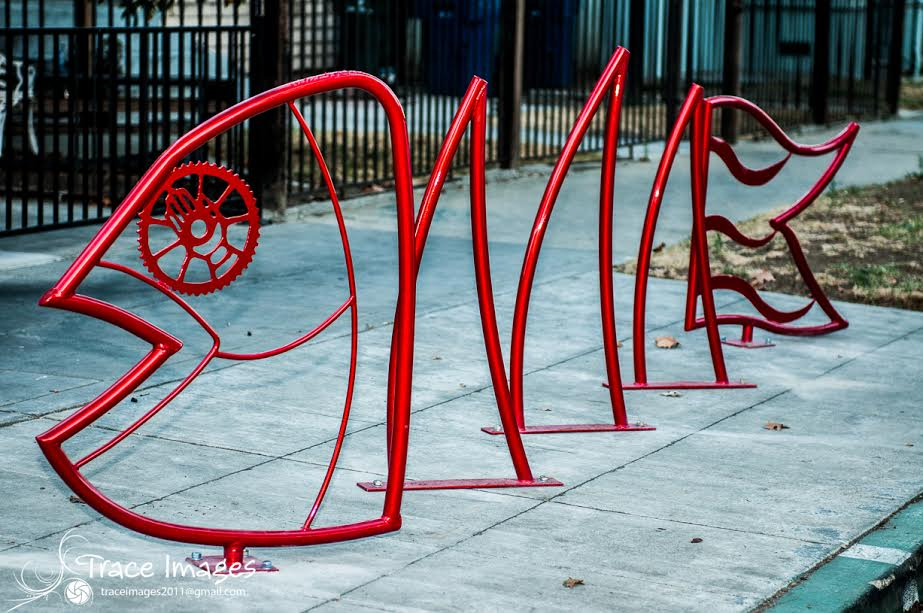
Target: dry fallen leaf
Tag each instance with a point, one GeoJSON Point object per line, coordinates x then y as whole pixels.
{"type": "Point", "coordinates": [571, 582]}
{"type": "Point", "coordinates": [696, 540]}
{"type": "Point", "coordinates": [671, 394]}
{"type": "Point", "coordinates": [775, 425]}
{"type": "Point", "coordinates": [76, 500]}
{"type": "Point", "coordinates": [666, 342]}
{"type": "Point", "coordinates": [760, 278]}
{"type": "Point", "coordinates": [659, 247]}
{"type": "Point", "coordinates": [618, 344]}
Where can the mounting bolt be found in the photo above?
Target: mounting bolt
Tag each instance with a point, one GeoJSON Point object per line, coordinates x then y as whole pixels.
{"type": "Point", "coordinates": [766, 340]}
{"type": "Point", "coordinates": [378, 483]}
{"type": "Point", "coordinates": [267, 564]}
{"type": "Point", "coordinates": [196, 555]}
{"type": "Point", "coordinates": [499, 427]}
{"type": "Point", "coordinates": [543, 478]}
{"type": "Point", "coordinates": [723, 338]}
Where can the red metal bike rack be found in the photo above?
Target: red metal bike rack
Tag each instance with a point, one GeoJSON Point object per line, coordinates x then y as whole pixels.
{"type": "Point", "coordinates": [697, 113]}
{"type": "Point", "coordinates": [200, 227]}
{"type": "Point", "coordinates": [612, 82]}
{"type": "Point", "coordinates": [472, 111]}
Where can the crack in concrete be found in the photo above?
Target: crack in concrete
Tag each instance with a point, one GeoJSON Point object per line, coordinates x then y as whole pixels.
{"type": "Point", "coordinates": [692, 523]}
{"type": "Point", "coordinates": [539, 503]}
{"type": "Point", "coordinates": [564, 491]}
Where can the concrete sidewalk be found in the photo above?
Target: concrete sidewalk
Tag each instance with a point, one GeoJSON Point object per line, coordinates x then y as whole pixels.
{"type": "Point", "coordinates": [246, 445]}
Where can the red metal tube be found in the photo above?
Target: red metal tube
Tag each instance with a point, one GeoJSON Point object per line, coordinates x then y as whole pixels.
{"type": "Point", "coordinates": [472, 110]}
{"type": "Point", "coordinates": [646, 248]}
{"type": "Point", "coordinates": [606, 289]}
{"type": "Point", "coordinates": [700, 275]}
{"type": "Point", "coordinates": [353, 308]}
{"type": "Point", "coordinates": [611, 82]}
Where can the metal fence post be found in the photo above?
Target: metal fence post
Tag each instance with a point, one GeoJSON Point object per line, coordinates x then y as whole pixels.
{"type": "Point", "coordinates": [268, 140]}
{"type": "Point", "coordinates": [636, 36]}
{"type": "Point", "coordinates": [512, 18]}
{"type": "Point", "coordinates": [895, 56]}
{"type": "Point", "coordinates": [673, 59]}
{"type": "Point", "coordinates": [730, 78]}
{"type": "Point", "coordinates": [820, 72]}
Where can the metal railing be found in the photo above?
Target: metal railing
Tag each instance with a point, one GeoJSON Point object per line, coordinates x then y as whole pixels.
{"type": "Point", "coordinates": [103, 101]}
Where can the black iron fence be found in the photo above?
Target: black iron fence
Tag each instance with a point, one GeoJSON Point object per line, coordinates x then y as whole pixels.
{"type": "Point", "coordinates": [85, 110]}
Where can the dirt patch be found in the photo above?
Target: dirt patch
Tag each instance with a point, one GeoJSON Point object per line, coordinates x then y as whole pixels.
{"type": "Point", "coordinates": [863, 244]}
{"type": "Point", "coordinates": [912, 95]}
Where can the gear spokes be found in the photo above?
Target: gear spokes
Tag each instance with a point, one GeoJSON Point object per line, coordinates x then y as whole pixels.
{"type": "Point", "coordinates": [194, 223]}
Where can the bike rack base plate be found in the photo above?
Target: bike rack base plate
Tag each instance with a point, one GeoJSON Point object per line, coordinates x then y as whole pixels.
{"type": "Point", "coordinates": [565, 428]}
{"type": "Point", "coordinates": [686, 385]}
{"type": "Point", "coordinates": [462, 484]}
{"type": "Point", "coordinates": [739, 342]}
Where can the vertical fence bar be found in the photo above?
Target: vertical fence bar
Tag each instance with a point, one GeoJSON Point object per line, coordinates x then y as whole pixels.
{"type": "Point", "coordinates": [673, 60]}
{"type": "Point", "coordinates": [97, 126]}
{"type": "Point", "coordinates": [41, 155]}
{"type": "Point", "coordinates": [820, 73]}
{"type": "Point", "coordinates": [636, 62]}
{"type": "Point", "coordinates": [510, 87]}
{"type": "Point", "coordinates": [57, 91]}
{"type": "Point", "coordinates": [8, 102]}
{"type": "Point", "coordinates": [268, 133]}
{"type": "Point", "coordinates": [895, 56]}
{"type": "Point", "coordinates": [730, 73]}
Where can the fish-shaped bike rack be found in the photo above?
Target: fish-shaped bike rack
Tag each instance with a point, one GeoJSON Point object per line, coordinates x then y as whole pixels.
{"type": "Point", "coordinates": [203, 230]}
{"type": "Point", "coordinates": [200, 227]}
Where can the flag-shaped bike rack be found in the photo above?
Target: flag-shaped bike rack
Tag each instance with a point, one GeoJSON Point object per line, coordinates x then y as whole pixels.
{"type": "Point", "coordinates": [696, 114]}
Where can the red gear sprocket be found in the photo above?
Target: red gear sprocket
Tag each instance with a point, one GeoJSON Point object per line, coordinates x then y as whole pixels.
{"type": "Point", "coordinates": [197, 200]}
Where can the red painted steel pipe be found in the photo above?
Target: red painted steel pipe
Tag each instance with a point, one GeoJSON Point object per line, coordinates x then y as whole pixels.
{"type": "Point", "coordinates": [472, 111]}
{"type": "Point", "coordinates": [612, 83]}
{"type": "Point", "coordinates": [646, 247]}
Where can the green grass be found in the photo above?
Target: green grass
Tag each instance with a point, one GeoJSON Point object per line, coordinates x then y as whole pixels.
{"type": "Point", "coordinates": [911, 95]}
{"type": "Point", "coordinates": [875, 276]}
{"type": "Point", "coordinates": [910, 230]}
{"type": "Point", "coordinates": [743, 273]}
